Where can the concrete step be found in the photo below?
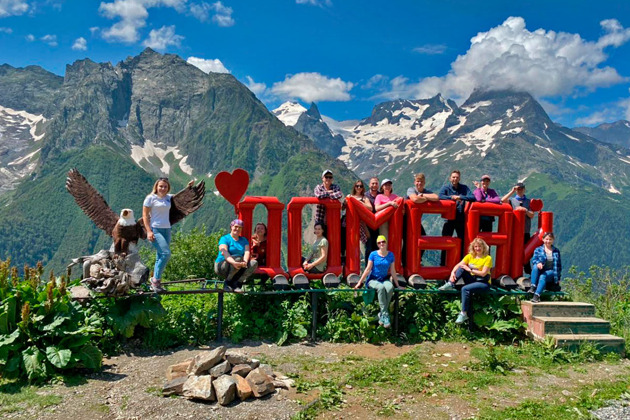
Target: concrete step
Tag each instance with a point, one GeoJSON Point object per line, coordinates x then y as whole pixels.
{"type": "Point", "coordinates": [565, 309]}
{"type": "Point", "coordinates": [541, 326]}
{"type": "Point", "coordinates": [605, 342]}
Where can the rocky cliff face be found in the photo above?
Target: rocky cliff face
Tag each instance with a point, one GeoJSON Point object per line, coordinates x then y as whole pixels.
{"type": "Point", "coordinates": [124, 125]}
{"type": "Point", "coordinates": [615, 133]}
{"type": "Point", "coordinates": [310, 123]}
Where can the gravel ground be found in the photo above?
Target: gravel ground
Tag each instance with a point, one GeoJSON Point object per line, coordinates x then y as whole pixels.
{"type": "Point", "coordinates": [616, 410]}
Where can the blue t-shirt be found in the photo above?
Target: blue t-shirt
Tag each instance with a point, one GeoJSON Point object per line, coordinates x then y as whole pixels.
{"type": "Point", "coordinates": [235, 248]}
{"type": "Point", "coordinates": [381, 265]}
{"type": "Point", "coordinates": [160, 210]}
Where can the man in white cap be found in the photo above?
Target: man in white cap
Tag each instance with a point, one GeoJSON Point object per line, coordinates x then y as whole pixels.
{"type": "Point", "coordinates": [326, 190]}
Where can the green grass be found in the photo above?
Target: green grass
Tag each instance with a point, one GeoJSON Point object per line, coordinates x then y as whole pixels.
{"type": "Point", "coordinates": [19, 397]}
{"type": "Point", "coordinates": [588, 398]}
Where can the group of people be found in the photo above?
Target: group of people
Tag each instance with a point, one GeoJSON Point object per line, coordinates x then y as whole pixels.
{"type": "Point", "coordinates": [236, 261]}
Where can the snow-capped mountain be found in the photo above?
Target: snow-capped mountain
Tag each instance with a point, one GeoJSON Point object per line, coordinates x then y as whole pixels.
{"type": "Point", "coordinates": [310, 123]}
{"type": "Point", "coordinates": [499, 131]}
{"type": "Point", "coordinates": [615, 133]}
{"type": "Point", "coordinates": [289, 113]}
{"type": "Point", "coordinates": [20, 142]}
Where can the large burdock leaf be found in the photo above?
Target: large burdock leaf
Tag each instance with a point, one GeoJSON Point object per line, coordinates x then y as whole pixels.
{"type": "Point", "coordinates": [34, 363]}
{"type": "Point", "coordinates": [58, 357]}
{"type": "Point", "coordinates": [91, 357]}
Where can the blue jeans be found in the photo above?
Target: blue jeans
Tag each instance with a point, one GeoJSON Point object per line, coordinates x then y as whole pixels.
{"type": "Point", "coordinates": [474, 284]}
{"type": "Point", "coordinates": [162, 246]}
{"type": "Point", "coordinates": [384, 291]}
{"type": "Point", "coordinates": [540, 278]}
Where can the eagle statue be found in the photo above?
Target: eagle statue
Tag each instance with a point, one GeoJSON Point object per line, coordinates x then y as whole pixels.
{"type": "Point", "coordinates": [124, 229]}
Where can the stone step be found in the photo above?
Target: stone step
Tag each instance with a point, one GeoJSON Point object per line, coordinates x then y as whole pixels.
{"type": "Point", "coordinates": [605, 342]}
{"type": "Point", "coordinates": [563, 309]}
{"type": "Point", "coordinates": [541, 326]}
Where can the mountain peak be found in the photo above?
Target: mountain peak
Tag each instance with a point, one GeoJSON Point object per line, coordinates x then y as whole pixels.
{"type": "Point", "coordinates": [289, 112]}
{"type": "Point", "coordinates": [313, 112]}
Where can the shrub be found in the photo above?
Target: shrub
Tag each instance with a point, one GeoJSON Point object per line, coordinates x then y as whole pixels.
{"type": "Point", "coordinates": [42, 331]}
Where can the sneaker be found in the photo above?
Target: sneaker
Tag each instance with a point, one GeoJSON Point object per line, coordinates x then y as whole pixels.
{"type": "Point", "coordinates": [238, 289]}
{"type": "Point", "coordinates": [532, 289]}
{"type": "Point", "coordinates": [386, 322]}
{"type": "Point", "coordinates": [156, 286]}
{"type": "Point", "coordinates": [447, 286]}
{"type": "Point", "coordinates": [227, 288]}
{"type": "Point", "coordinates": [380, 318]}
{"type": "Point", "coordinates": [461, 318]}
{"type": "Point", "coordinates": [536, 298]}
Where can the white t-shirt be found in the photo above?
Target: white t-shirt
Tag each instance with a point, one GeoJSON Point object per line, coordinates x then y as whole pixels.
{"type": "Point", "coordinates": [160, 209]}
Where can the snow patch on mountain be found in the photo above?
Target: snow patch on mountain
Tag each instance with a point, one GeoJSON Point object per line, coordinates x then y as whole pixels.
{"type": "Point", "coordinates": [289, 113]}
{"type": "Point", "coordinates": [343, 128]}
{"type": "Point", "coordinates": [153, 156]}
{"type": "Point", "coordinates": [22, 119]}
{"type": "Point", "coordinates": [483, 137]}
{"type": "Point", "coordinates": [23, 159]}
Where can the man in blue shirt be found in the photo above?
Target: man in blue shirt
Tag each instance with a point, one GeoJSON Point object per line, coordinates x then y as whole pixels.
{"type": "Point", "coordinates": [459, 193]}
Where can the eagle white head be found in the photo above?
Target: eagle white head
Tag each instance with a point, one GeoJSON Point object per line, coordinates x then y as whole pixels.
{"type": "Point", "coordinates": [126, 218]}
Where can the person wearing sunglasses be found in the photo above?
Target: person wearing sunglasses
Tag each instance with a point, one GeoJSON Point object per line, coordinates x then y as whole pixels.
{"type": "Point", "coordinates": [380, 272]}
{"type": "Point", "coordinates": [326, 190]}
{"type": "Point", "coordinates": [233, 262]}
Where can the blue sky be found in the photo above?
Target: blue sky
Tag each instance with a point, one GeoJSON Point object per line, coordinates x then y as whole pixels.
{"type": "Point", "coordinates": [348, 55]}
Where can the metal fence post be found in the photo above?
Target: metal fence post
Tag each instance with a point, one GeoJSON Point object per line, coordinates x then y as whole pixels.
{"type": "Point", "coordinates": [220, 316]}
{"type": "Point", "coordinates": [314, 321]}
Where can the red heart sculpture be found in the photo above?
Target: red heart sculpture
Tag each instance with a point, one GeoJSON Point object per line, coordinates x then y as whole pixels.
{"type": "Point", "coordinates": [535, 204]}
{"type": "Point", "coordinates": [232, 186]}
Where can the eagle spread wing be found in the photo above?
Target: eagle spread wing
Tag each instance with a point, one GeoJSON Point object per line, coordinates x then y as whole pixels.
{"type": "Point", "coordinates": [91, 202]}
{"type": "Point", "coordinates": [186, 201]}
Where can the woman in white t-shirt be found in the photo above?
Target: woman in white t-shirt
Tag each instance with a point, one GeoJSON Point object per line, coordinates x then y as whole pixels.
{"type": "Point", "coordinates": [155, 214]}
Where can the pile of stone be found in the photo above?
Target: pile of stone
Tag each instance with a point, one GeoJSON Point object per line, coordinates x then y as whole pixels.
{"type": "Point", "coordinates": [111, 274]}
{"type": "Point", "coordinates": [222, 376]}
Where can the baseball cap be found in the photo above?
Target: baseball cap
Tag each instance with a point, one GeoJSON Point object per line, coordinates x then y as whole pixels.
{"type": "Point", "coordinates": [485, 177]}
{"type": "Point", "coordinates": [385, 181]}
{"type": "Point", "coordinates": [327, 171]}
{"type": "Point", "coordinates": [520, 185]}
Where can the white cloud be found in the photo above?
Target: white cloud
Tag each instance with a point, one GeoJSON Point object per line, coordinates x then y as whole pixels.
{"type": "Point", "coordinates": [431, 49]}
{"type": "Point", "coordinates": [320, 3]}
{"type": "Point", "coordinates": [160, 39]}
{"type": "Point", "coordinates": [133, 15]}
{"type": "Point", "coordinates": [201, 11]}
{"type": "Point", "coordinates": [6, 30]}
{"type": "Point", "coordinates": [94, 30]}
{"type": "Point", "coordinates": [509, 56]}
{"type": "Point", "coordinates": [30, 37]}
{"type": "Point", "coordinates": [207, 66]}
{"type": "Point", "coordinates": [259, 89]}
{"type": "Point", "coordinates": [80, 44]}
{"type": "Point", "coordinates": [50, 40]}
{"type": "Point", "coordinates": [222, 14]}
{"type": "Point", "coordinates": [610, 112]}
{"type": "Point", "coordinates": [312, 87]}
{"type": "Point", "coordinates": [13, 7]}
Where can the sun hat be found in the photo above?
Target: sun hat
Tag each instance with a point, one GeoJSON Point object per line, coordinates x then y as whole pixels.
{"type": "Point", "coordinates": [385, 181]}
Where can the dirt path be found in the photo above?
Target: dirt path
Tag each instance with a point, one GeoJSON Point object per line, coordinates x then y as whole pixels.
{"type": "Point", "coordinates": [129, 386]}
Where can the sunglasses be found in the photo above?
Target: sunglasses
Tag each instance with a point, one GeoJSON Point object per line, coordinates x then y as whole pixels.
{"type": "Point", "coordinates": [163, 178]}
{"type": "Point", "coordinates": [328, 177]}
{"type": "Point", "coordinates": [381, 242]}
{"type": "Point", "coordinates": [359, 186]}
